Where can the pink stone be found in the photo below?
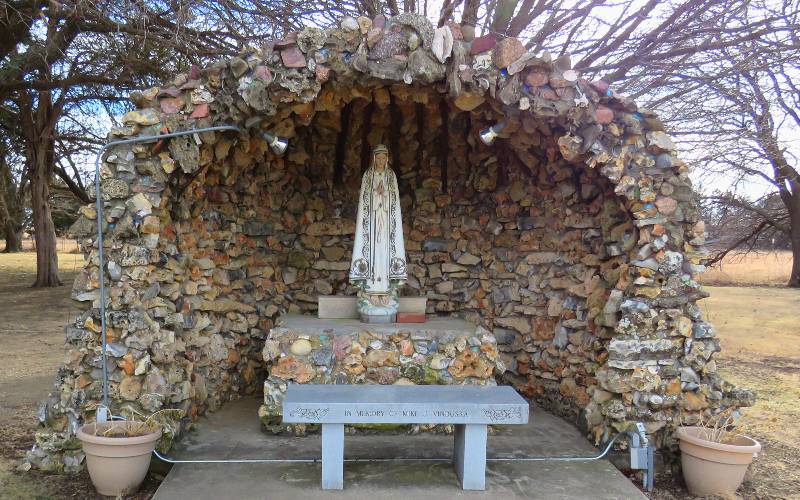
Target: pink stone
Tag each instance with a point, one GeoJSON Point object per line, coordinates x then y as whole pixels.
{"type": "Point", "coordinates": [550, 94]}
{"type": "Point", "coordinates": [194, 72]}
{"type": "Point", "coordinates": [322, 73]}
{"type": "Point", "coordinates": [666, 206]}
{"type": "Point", "coordinates": [340, 345]}
{"type": "Point", "coordinates": [507, 51]}
{"type": "Point", "coordinates": [200, 111]}
{"type": "Point", "coordinates": [406, 346]}
{"type": "Point", "coordinates": [600, 85]}
{"type": "Point", "coordinates": [536, 78]}
{"type": "Point", "coordinates": [379, 22]}
{"type": "Point", "coordinates": [604, 115]}
{"type": "Point", "coordinates": [171, 105]}
{"type": "Point", "coordinates": [262, 72]}
{"type": "Point", "coordinates": [170, 91]}
{"type": "Point", "coordinates": [289, 39]}
{"type": "Point", "coordinates": [482, 44]}
{"type": "Point", "coordinates": [293, 58]}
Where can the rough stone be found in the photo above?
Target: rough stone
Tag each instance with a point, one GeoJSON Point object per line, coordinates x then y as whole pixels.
{"type": "Point", "coordinates": [468, 101]}
{"type": "Point", "coordinates": [483, 44]}
{"type": "Point", "coordinates": [507, 51]}
{"type": "Point", "coordinates": [290, 368]}
{"type": "Point", "coordinates": [293, 57]}
{"type": "Point", "coordinates": [144, 117]}
{"type": "Point", "coordinates": [300, 347]}
{"type": "Point", "coordinates": [423, 68]}
{"type": "Point", "coordinates": [130, 388]}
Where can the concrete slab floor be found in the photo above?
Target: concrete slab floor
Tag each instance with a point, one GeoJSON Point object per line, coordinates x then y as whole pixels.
{"type": "Point", "coordinates": [233, 432]}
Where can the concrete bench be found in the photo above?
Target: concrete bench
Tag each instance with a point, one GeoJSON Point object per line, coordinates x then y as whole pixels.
{"type": "Point", "coordinates": [470, 408]}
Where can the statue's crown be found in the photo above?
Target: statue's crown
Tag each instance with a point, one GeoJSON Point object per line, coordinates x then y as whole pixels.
{"type": "Point", "coordinates": [380, 148]}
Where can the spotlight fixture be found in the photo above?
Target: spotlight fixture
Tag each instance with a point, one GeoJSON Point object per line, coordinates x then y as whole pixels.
{"type": "Point", "coordinates": [488, 135]}
{"type": "Point", "coordinates": [278, 145]}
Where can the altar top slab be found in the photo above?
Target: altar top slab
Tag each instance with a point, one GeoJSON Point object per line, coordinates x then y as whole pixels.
{"type": "Point", "coordinates": [433, 327]}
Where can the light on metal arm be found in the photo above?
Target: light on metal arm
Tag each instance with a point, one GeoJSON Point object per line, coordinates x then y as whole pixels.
{"type": "Point", "coordinates": [488, 135]}
{"type": "Point", "coordinates": [278, 145]}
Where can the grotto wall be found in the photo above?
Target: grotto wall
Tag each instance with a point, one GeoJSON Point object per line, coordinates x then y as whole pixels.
{"type": "Point", "coordinates": [574, 238]}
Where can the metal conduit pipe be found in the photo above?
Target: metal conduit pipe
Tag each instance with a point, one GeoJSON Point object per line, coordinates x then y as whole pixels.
{"type": "Point", "coordinates": [568, 458]}
{"type": "Point", "coordinates": [102, 414]}
{"type": "Point", "coordinates": [641, 458]}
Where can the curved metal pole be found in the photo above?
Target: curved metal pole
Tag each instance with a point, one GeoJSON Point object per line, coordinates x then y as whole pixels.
{"type": "Point", "coordinates": [100, 218]}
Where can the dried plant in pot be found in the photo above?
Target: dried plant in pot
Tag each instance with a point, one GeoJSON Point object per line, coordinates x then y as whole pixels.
{"type": "Point", "coordinates": [714, 456]}
{"type": "Point", "coordinates": [118, 452]}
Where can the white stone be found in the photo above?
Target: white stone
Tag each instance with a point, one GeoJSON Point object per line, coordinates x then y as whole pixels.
{"type": "Point", "coordinates": [439, 362]}
{"type": "Point", "coordinates": [139, 205]}
{"type": "Point", "coordinates": [442, 45]}
{"type": "Point", "coordinates": [350, 24]}
{"type": "Point", "coordinates": [201, 96]}
{"type": "Point", "coordinates": [300, 347]}
{"type": "Point", "coordinates": [142, 365]}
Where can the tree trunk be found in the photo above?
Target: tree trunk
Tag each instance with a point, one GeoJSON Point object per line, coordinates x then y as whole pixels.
{"type": "Point", "coordinates": [794, 233]}
{"type": "Point", "coordinates": [9, 228]}
{"type": "Point", "coordinates": [44, 231]}
{"type": "Point", "coordinates": [13, 238]}
{"type": "Point", "coordinates": [38, 126]}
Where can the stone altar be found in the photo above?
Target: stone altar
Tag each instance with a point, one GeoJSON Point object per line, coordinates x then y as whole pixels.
{"type": "Point", "coordinates": [308, 350]}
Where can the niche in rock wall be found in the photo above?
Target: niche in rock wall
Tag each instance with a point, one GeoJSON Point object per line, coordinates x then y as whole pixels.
{"type": "Point", "coordinates": [491, 233]}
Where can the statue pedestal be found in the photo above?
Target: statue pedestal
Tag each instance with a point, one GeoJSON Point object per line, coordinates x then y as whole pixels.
{"type": "Point", "coordinates": [346, 307]}
{"type": "Point", "coordinates": [309, 350]}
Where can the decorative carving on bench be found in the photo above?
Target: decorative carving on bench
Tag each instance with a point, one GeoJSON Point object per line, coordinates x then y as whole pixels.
{"type": "Point", "coordinates": [502, 414]}
{"type": "Point", "coordinates": [309, 413]}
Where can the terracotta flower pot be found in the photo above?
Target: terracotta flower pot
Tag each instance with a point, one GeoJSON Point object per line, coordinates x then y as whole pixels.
{"type": "Point", "coordinates": [711, 468]}
{"type": "Point", "coordinates": [117, 465]}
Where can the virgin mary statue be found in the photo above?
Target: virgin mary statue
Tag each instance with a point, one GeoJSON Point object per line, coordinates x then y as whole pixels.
{"type": "Point", "coordinates": [378, 265]}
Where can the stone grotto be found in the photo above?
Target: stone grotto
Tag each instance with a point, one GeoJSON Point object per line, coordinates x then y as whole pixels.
{"type": "Point", "coordinates": [568, 248]}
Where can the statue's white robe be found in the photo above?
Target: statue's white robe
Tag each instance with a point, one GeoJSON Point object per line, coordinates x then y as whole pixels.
{"type": "Point", "coordinates": [379, 253]}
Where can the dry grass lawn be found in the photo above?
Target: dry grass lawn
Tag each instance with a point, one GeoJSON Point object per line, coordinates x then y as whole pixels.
{"type": "Point", "coordinates": [759, 332]}
{"type": "Point", "coordinates": [763, 268]}
{"type": "Point", "coordinates": [64, 245]}
{"type": "Point", "coordinates": [758, 328]}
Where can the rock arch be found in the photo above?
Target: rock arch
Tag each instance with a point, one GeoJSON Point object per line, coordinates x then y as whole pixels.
{"type": "Point", "coordinates": [574, 238]}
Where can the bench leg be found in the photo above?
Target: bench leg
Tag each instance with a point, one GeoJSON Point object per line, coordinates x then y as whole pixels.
{"type": "Point", "coordinates": [332, 456]}
{"type": "Point", "coordinates": [469, 456]}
